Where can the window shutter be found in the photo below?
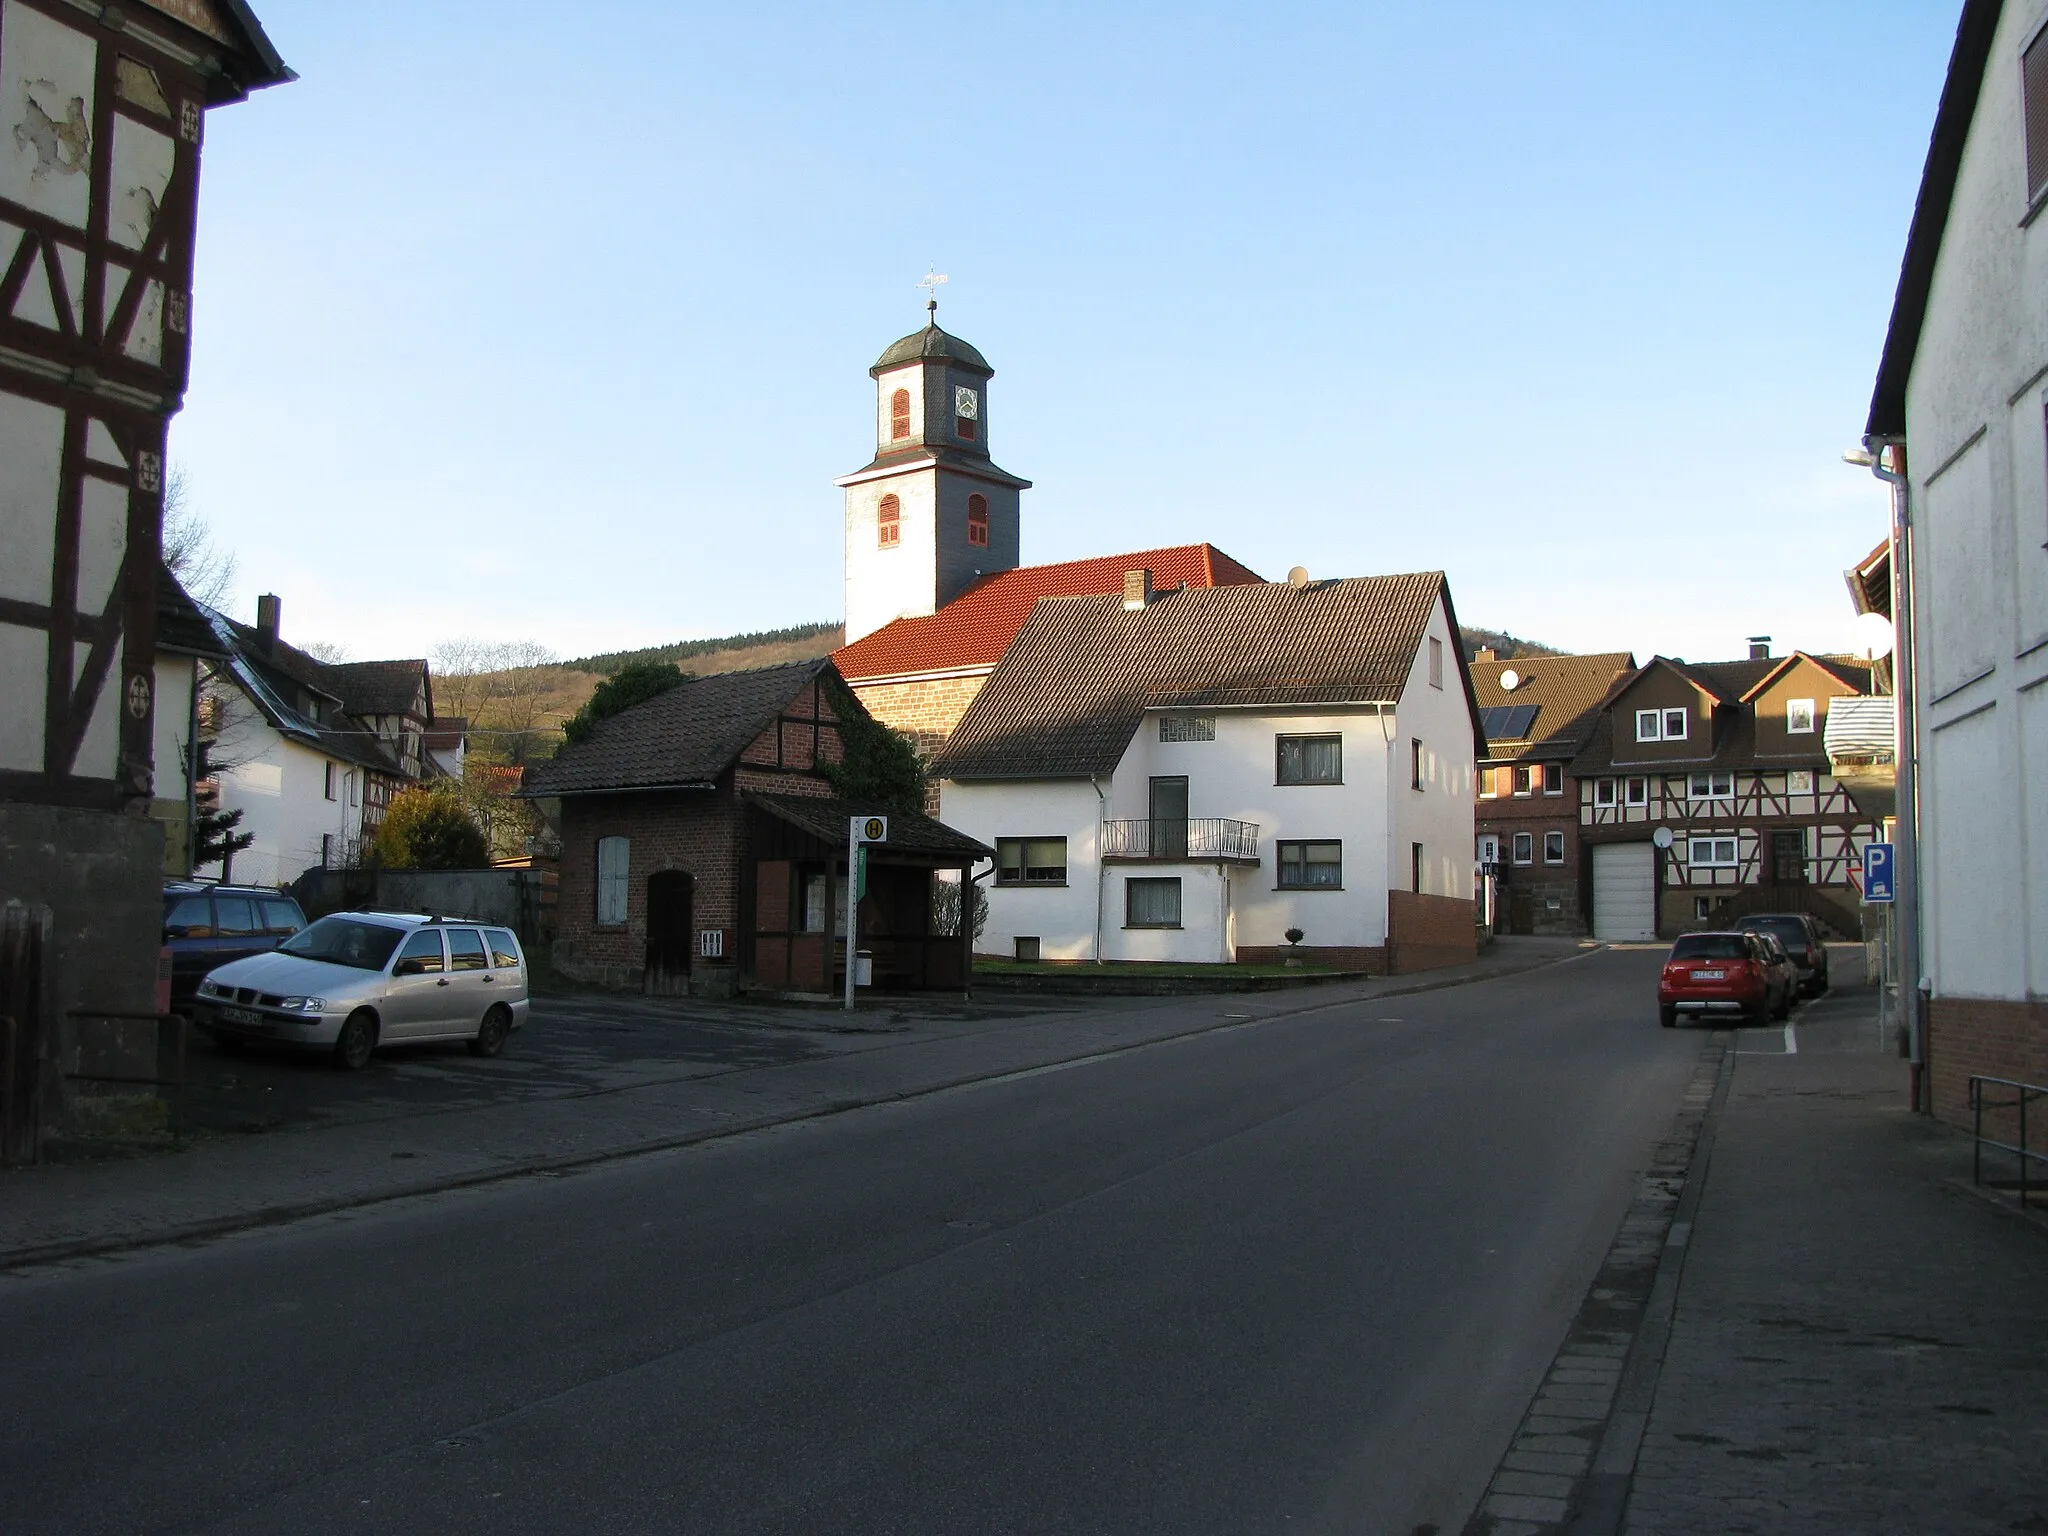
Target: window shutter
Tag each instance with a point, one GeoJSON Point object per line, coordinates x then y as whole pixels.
{"type": "Point", "coordinates": [889, 522]}
{"type": "Point", "coordinates": [2034, 96]}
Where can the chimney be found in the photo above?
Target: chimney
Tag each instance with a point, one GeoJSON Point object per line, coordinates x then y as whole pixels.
{"type": "Point", "coordinates": [269, 612]}
{"type": "Point", "coordinates": [1137, 591]}
{"type": "Point", "coordinates": [1484, 653]}
{"type": "Point", "coordinates": [1759, 647]}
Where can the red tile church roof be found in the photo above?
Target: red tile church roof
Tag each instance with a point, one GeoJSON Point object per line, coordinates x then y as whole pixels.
{"type": "Point", "coordinates": [977, 626]}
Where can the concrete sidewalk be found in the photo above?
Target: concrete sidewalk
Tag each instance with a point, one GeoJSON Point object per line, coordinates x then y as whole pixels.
{"type": "Point", "coordinates": [218, 1186]}
{"type": "Point", "coordinates": [1860, 1341]}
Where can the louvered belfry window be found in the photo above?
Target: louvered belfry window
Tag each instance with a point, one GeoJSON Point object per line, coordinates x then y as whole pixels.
{"type": "Point", "coordinates": [899, 415]}
{"type": "Point", "coordinates": [2034, 96]}
{"type": "Point", "coordinates": [977, 520]}
{"type": "Point", "coordinates": [889, 522]}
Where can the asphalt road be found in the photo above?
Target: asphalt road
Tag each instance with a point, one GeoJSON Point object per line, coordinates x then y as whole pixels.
{"type": "Point", "coordinates": [1297, 1276]}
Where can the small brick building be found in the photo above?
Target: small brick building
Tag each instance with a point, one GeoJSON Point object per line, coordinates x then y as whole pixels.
{"type": "Point", "coordinates": [692, 851]}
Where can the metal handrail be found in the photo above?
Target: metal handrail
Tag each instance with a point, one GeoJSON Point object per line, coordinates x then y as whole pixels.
{"type": "Point", "coordinates": [1978, 1104]}
{"type": "Point", "coordinates": [1205, 837]}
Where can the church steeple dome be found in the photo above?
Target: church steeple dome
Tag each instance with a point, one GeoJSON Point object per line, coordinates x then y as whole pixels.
{"type": "Point", "coordinates": [931, 345]}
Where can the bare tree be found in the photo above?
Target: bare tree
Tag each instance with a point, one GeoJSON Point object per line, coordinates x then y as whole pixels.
{"type": "Point", "coordinates": [329, 651]}
{"type": "Point", "coordinates": [202, 567]}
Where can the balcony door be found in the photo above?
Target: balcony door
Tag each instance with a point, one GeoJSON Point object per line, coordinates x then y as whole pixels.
{"type": "Point", "coordinates": [1170, 818]}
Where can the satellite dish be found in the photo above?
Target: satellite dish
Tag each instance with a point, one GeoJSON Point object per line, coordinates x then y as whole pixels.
{"type": "Point", "coordinates": [1874, 634]}
{"type": "Point", "coordinates": [1298, 577]}
{"type": "Point", "coordinates": [1661, 837]}
{"type": "Point", "coordinates": [1511, 680]}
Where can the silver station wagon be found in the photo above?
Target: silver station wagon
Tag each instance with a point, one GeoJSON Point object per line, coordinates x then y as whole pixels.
{"type": "Point", "coordinates": [354, 981]}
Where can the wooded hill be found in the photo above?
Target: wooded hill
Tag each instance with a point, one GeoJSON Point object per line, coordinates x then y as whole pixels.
{"type": "Point", "coordinates": [516, 713]}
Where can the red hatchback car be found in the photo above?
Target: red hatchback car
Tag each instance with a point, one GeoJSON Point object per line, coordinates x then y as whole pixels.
{"type": "Point", "coordinates": [1724, 973]}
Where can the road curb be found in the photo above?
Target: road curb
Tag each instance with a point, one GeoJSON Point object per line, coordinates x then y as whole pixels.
{"type": "Point", "coordinates": [1570, 1466]}
{"type": "Point", "coordinates": [286, 1213]}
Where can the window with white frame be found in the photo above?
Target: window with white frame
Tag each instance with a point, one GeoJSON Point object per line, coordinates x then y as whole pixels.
{"type": "Point", "coordinates": [1638, 791]}
{"type": "Point", "coordinates": [1311, 866]}
{"type": "Point", "coordinates": [1152, 903]}
{"type": "Point", "coordinates": [1799, 717]}
{"type": "Point", "coordinates": [1524, 781]}
{"type": "Point", "coordinates": [1649, 725]}
{"type": "Point", "coordinates": [1553, 847]}
{"type": "Point", "coordinates": [1187, 727]}
{"type": "Point", "coordinates": [1713, 786]}
{"type": "Point", "coordinates": [1702, 908]}
{"type": "Point", "coordinates": [1711, 852]}
{"type": "Point", "coordinates": [613, 861]}
{"type": "Point", "coordinates": [1309, 759]}
{"type": "Point", "coordinates": [1553, 778]}
{"type": "Point", "coordinates": [1603, 791]}
{"type": "Point", "coordinates": [1799, 781]}
{"type": "Point", "coordinates": [1674, 724]}
{"type": "Point", "coordinates": [1031, 861]}
{"type": "Point", "coordinates": [1525, 848]}
{"type": "Point", "coordinates": [1487, 791]}
{"type": "Point", "coordinates": [1436, 662]}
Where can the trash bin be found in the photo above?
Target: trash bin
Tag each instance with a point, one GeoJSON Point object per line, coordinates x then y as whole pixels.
{"type": "Point", "coordinates": [863, 968]}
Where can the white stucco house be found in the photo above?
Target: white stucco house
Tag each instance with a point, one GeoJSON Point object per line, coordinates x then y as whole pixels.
{"type": "Point", "coordinates": [309, 752]}
{"type": "Point", "coordinates": [1187, 775]}
{"type": "Point", "coordinates": [1961, 409]}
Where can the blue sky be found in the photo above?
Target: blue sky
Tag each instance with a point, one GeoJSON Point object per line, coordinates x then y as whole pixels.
{"type": "Point", "coordinates": [543, 322]}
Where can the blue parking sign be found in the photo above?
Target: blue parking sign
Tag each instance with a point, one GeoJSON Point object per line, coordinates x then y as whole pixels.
{"type": "Point", "coordinates": [1878, 884]}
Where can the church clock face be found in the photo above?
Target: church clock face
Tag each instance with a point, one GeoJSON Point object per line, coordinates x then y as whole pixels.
{"type": "Point", "coordinates": [966, 404]}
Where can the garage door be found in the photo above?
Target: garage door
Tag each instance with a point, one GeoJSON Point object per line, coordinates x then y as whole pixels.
{"type": "Point", "coordinates": [1624, 892]}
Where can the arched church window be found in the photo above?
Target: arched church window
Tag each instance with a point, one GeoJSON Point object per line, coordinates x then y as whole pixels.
{"type": "Point", "coordinates": [977, 520]}
{"type": "Point", "coordinates": [899, 415]}
{"type": "Point", "coordinates": [889, 523]}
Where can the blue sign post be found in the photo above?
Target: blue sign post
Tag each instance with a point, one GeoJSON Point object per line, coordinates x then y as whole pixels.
{"type": "Point", "coordinates": [1878, 881]}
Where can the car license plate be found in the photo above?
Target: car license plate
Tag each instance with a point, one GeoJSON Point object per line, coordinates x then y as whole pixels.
{"type": "Point", "coordinates": [1709, 975]}
{"type": "Point", "coordinates": [240, 1016]}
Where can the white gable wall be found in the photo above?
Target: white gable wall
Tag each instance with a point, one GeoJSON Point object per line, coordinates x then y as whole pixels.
{"type": "Point", "coordinates": [1979, 495]}
{"type": "Point", "coordinates": [1442, 814]}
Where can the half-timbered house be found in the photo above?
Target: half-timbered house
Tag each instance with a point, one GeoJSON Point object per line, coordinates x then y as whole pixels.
{"type": "Point", "coordinates": [102, 109]}
{"type": "Point", "coordinates": [1705, 792]}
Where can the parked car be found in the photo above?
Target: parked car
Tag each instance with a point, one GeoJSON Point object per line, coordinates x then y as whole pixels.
{"type": "Point", "coordinates": [209, 925]}
{"type": "Point", "coordinates": [1784, 974]}
{"type": "Point", "coordinates": [1723, 974]}
{"type": "Point", "coordinates": [1800, 935]}
{"type": "Point", "coordinates": [354, 981]}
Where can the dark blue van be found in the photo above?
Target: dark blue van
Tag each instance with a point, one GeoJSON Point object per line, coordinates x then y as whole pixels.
{"type": "Point", "coordinates": [209, 925]}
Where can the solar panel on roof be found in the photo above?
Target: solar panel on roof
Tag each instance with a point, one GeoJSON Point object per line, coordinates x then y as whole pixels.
{"type": "Point", "coordinates": [1507, 722]}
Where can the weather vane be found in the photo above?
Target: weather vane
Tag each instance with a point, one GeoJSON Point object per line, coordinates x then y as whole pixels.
{"type": "Point", "coordinates": [930, 284]}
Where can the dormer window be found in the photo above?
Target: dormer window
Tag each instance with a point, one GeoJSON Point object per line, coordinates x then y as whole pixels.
{"type": "Point", "coordinates": [1660, 725]}
{"type": "Point", "coordinates": [977, 520]}
{"type": "Point", "coordinates": [899, 416]}
{"type": "Point", "coordinates": [889, 523]}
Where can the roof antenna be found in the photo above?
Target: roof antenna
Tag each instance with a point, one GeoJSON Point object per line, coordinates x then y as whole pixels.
{"type": "Point", "coordinates": [930, 284]}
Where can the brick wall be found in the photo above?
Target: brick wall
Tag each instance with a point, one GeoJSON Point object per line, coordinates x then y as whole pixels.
{"type": "Point", "coordinates": [927, 710]}
{"type": "Point", "coordinates": [1338, 957]}
{"type": "Point", "coordinates": [1424, 932]}
{"type": "Point", "coordinates": [1968, 1035]}
{"type": "Point", "coordinates": [694, 830]}
{"type": "Point", "coordinates": [1541, 884]}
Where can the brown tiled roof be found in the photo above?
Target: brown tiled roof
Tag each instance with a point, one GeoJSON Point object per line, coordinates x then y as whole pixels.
{"type": "Point", "coordinates": [377, 687]}
{"type": "Point", "coordinates": [446, 733]}
{"type": "Point", "coordinates": [908, 830]}
{"type": "Point", "coordinates": [686, 736]}
{"type": "Point", "coordinates": [1567, 692]}
{"type": "Point", "coordinates": [977, 626]}
{"type": "Point", "coordinates": [1074, 685]}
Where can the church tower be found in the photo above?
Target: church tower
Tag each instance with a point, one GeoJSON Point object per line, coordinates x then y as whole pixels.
{"type": "Point", "coordinates": [931, 513]}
